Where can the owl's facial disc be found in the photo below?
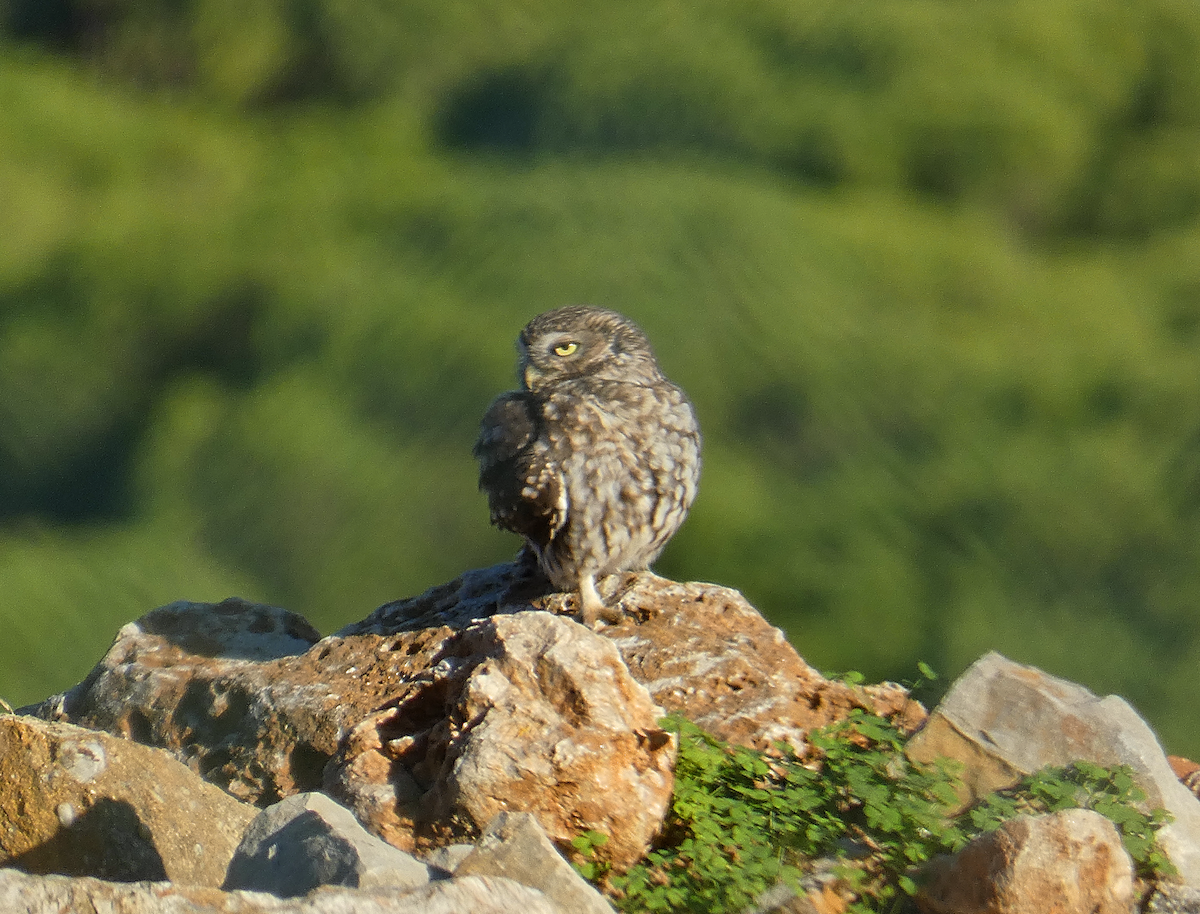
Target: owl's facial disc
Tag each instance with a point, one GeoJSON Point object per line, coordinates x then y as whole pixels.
{"type": "Point", "coordinates": [556, 357]}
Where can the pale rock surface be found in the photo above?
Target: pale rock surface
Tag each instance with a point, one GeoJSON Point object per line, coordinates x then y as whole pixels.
{"type": "Point", "coordinates": [447, 858]}
{"type": "Point", "coordinates": [1004, 720]}
{"type": "Point", "coordinates": [469, 895]}
{"type": "Point", "coordinates": [383, 714]}
{"type": "Point", "coordinates": [75, 801]}
{"type": "Point", "coordinates": [233, 629]}
{"type": "Point", "coordinates": [1069, 862]}
{"type": "Point", "coordinates": [514, 846]}
{"type": "Point", "coordinates": [307, 840]}
{"type": "Point", "coordinates": [527, 712]}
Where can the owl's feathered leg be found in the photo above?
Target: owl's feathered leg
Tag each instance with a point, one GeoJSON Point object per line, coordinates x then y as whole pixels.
{"type": "Point", "coordinates": [591, 607]}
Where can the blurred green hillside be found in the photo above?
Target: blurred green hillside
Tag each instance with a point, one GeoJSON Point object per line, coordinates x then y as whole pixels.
{"type": "Point", "coordinates": [929, 270]}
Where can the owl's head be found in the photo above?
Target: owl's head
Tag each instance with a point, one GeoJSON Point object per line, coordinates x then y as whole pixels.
{"type": "Point", "coordinates": [580, 341]}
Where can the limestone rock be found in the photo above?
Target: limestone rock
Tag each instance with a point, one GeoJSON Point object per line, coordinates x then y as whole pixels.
{"type": "Point", "coordinates": [527, 712]}
{"type": "Point", "coordinates": [1004, 720]}
{"type": "Point", "coordinates": [446, 859]}
{"type": "Point", "coordinates": [260, 728]}
{"type": "Point", "coordinates": [1070, 862]}
{"type": "Point", "coordinates": [700, 649]}
{"type": "Point", "coordinates": [56, 894]}
{"type": "Point", "coordinates": [246, 696]}
{"type": "Point", "coordinates": [514, 846]}
{"type": "Point", "coordinates": [780, 899]}
{"type": "Point", "coordinates": [234, 629]}
{"type": "Point", "coordinates": [78, 802]}
{"type": "Point", "coordinates": [307, 841]}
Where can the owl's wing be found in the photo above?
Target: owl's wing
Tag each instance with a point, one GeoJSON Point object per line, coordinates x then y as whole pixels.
{"type": "Point", "coordinates": [525, 494]}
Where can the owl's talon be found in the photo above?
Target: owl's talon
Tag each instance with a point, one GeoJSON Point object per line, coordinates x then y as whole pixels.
{"type": "Point", "coordinates": [591, 606]}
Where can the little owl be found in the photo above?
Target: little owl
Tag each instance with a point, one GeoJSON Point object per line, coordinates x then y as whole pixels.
{"type": "Point", "coordinates": [595, 460]}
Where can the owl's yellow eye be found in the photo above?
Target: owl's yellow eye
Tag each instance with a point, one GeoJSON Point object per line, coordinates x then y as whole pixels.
{"type": "Point", "coordinates": [565, 349]}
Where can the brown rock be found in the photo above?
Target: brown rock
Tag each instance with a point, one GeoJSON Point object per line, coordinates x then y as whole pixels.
{"type": "Point", "coordinates": [262, 729]}
{"type": "Point", "coordinates": [530, 713]}
{"type": "Point", "coordinates": [1187, 771]}
{"type": "Point", "coordinates": [78, 802]}
{"type": "Point", "coordinates": [700, 649]}
{"type": "Point", "coordinates": [705, 652]}
{"type": "Point", "coordinates": [1069, 862]}
{"type": "Point", "coordinates": [430, 710]}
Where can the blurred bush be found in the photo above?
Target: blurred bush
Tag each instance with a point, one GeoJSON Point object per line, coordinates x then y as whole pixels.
{"type": "Point", "coordinates": [930, 271]}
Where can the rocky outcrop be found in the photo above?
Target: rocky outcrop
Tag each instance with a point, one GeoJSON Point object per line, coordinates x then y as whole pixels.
{"type": "Point", "coordinates": [475, 730]}
{"type": "Point", "coordinates": [434, 714]}
{"type": "Point", "coordinates": [1003, 720]}
{"type": "Point", "coordinates": [75, 801]}
{"type": "Point", "coordinates": [307, 846]}
{"type": "Point", "coordinates": [700, 649]}
{"type": "Point", "coordinates": [1070, 862]}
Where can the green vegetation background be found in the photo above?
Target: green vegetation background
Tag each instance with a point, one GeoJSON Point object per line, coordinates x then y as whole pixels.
{"type": "Point", "coordinates": [930, 271]}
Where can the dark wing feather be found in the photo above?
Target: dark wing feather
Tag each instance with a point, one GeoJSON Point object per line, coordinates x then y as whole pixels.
{"type": "Point", "coordinates": [523, 491]}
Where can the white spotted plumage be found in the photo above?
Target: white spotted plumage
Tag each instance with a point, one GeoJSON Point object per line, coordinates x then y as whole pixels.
{"type": "Point", "coordinates": [595, 460]}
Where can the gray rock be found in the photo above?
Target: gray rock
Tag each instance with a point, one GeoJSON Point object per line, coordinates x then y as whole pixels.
{"type": "Point", "coordinates": [56, 894]}
{"type": "Point", "coordinates": [446, 859]}
{"type": "Point", "coordinates": [823, 889]}
{"type": "Point", "coordinates": [307, 840]}
{"type": "Point", "coordinates": [514, 846]}
{"type": "Point", "coordinates": [782, 899]}
{"type": "Point", "coordinates": [1004, 720]}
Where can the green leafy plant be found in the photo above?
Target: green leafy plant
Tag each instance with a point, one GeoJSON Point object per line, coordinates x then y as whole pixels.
{"type": "Point", "coordinates": [1108, 791]}
{"type": "Point", "coordinates": [722, 844]}
{"type": "Point", "coordinates": [589, 865]}
{"type": "Point", "coordinates": [891, 811]}
{"type": "Point", "coordinates": [743, 820]}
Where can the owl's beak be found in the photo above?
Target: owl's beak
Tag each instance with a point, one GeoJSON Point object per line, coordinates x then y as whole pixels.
{"type": "Point", "coordinates": [531, 376]}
